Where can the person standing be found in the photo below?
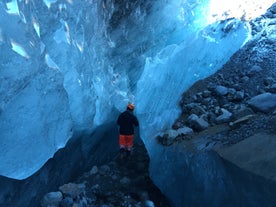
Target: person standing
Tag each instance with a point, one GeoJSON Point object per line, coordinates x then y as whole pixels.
{"type": "Point", "coordinates": [127, 121]}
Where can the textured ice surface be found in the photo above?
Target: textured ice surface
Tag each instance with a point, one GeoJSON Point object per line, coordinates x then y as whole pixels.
{"type": "Point", "coordinates": [77, 63]}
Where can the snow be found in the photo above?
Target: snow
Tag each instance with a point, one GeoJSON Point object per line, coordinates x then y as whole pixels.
{"type": "Point", "coordinates": [74, 66]}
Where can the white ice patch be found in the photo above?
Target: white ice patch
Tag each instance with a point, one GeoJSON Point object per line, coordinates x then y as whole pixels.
{"type": "Point", "coordinates": [36, 27]}
{"type": "Point", "coordinates": [49, 2]}
{"type": "Point", "coordinates": [12, 7]}
{"type": "Point", "coordinates": [19, 49]}
{"type": "Point", "coordinates": [50, 62]}
{"type": "Point", "coordinates": [61, 7]}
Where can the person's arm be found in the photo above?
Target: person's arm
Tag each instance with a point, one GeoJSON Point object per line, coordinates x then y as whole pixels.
{"type": "Point", "coordinates": [135, 121]}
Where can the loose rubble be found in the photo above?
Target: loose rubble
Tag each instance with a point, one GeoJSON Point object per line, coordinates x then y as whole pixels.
{"type": "Point", "coordinates": [236, 102]}
{"type": "Point", "coordinates": [240, 94]}
{"type": "Point", "coordinates": [122, 182]}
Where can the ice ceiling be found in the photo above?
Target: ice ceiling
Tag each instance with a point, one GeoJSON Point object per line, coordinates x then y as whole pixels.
{"type": "Point", "coordinates": [72, 65]}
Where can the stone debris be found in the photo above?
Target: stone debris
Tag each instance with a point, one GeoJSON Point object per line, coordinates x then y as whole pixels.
{"type": "Point", "coordinates": [122, 182]}
{"type": "Point", "coordinates": [236, 96]}
{"type": "Point", "coordinates": [72, 190]}
{"type": "Point", "coordinates": [52, 199]}
{"type": "Point", "coordinates": [265, 103]}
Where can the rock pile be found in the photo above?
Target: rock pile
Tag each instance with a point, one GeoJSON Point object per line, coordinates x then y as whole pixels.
{"type": "Point", "coordinates": [122, 182]}
{"type": "Point", "coordinates": [243, 90]}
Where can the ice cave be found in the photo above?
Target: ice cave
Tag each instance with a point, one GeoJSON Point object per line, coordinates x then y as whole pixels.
{"type": "Point", "coordinates": [69, 67]}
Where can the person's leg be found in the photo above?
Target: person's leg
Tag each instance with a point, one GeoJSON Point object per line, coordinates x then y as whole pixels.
{"type": "Point", "coordinates": [129, 144]}
{"type": "Point", "coordinates": [122, 144]}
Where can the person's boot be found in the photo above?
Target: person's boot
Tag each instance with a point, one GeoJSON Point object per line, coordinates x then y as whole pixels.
{"type": "Point", "coordinates": [122, 153]}
{"type": "Point", "coordinates": [128, 153]}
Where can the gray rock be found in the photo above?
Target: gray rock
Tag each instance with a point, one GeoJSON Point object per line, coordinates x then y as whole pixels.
{"type": "Point", "coordinates": [245, 79]}
{"type": "Point", "coordinates": [95, 188]}
{"type": "Point", "coordinates": [52, 199]}
{"type": "Point", "coordinates": [255, 69]}
{"type": "Point", "coordinates": [125, 181]}
{"type": "Point", "coordinates": [211, 118]}
{"type": "Point", "coordinates": [165, 139]}
{"type": "Point", "coordinates": [268, 81]}
{"type": "Point", "coordinates": [206, 94]}
{"type": "Point", "coordinates": [221, 90]}
{"type": "Point", "coordinates": [66, 202]}
{"type": "Point", "coordinates": [231, 91]}
{"type": "Point", "coordinates": [224, 117]}
{"type": "Point", "coordinates": [237, 87]}
{"type": "Point", "coordinates": [94, 170]}
{"type": "Point", "coordinates": [181, 131]}
{"type": "Point", "coordinates": [197, 123]}
{"type": "Point", "coordinates": [236, 97]}
{"type": "Point", "coordinates": [272, 88]}
{"type": "Point", "coordinates": [239, 96]}
{"type": "Point", "coordinates": [171, 133]}
{"type": "Point", "coordinates": [72, 189]}
{"type": "Point", "coordinates": [184, 130]}
{"type": "Point", "coordinates": [104, 169]}
{"type": "Point", "coordinates": [197, 109]}
{"type": "Point", "coordinates": [265, 102]}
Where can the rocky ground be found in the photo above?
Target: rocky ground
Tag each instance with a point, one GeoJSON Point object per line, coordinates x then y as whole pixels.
{"type": "Point", "coordinates": [232, 112]}
{"type": "Point", "coordinates": [122, 182]}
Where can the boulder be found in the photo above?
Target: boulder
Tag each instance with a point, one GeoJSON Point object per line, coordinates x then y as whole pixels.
{"type": "Point", "coordinates": [198, 110]}
{"type": "Point", "coordinates": [255, 154]}
{"type": "Point", "coordinates": [239, 95]}
{"type": "Point", "coordinates": [66, 202]}
{"type": "Point", "coordinates": [197, 123]}
{"type": "Point", "coordinates": [94, 170]}
{"type": "Point", "coordinates": [224, 117]}
{"type": "Point", "coordinates": [184, 130]}
{"type": "Point", "coordinates": [268, 81]}
{"type": "Point", "coordinates": [221, 90]}
{"type": "Point", "coordinates": [52, 199]}
{"type": "Point", "coordinates": [181, 131]}
{"type": "Point", "coordinates": [272, 88]}
{"type": "Point", "coordinates": [169, 137]}
{"type": "Point", "coordinates": [165, 140]}
{"type": "Point", "coordinates": [265, 103]}
{"type": "Point", "coordinates": [72, 189]}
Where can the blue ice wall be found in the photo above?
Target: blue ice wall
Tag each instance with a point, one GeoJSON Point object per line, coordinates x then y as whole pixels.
{"type": "Point", "coordinates": [71, 66]}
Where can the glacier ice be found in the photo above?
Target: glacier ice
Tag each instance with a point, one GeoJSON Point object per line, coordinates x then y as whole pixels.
{"type": "Point", "coordinates": [34, 110]}
{"type": "Point", "coordinates": [73, 65]}
{"type": "Point", "coordinates": [177, 67]}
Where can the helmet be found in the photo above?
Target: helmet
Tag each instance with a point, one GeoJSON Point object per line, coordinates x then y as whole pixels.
{"type": "Point", "coordinates": [130, 106]}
